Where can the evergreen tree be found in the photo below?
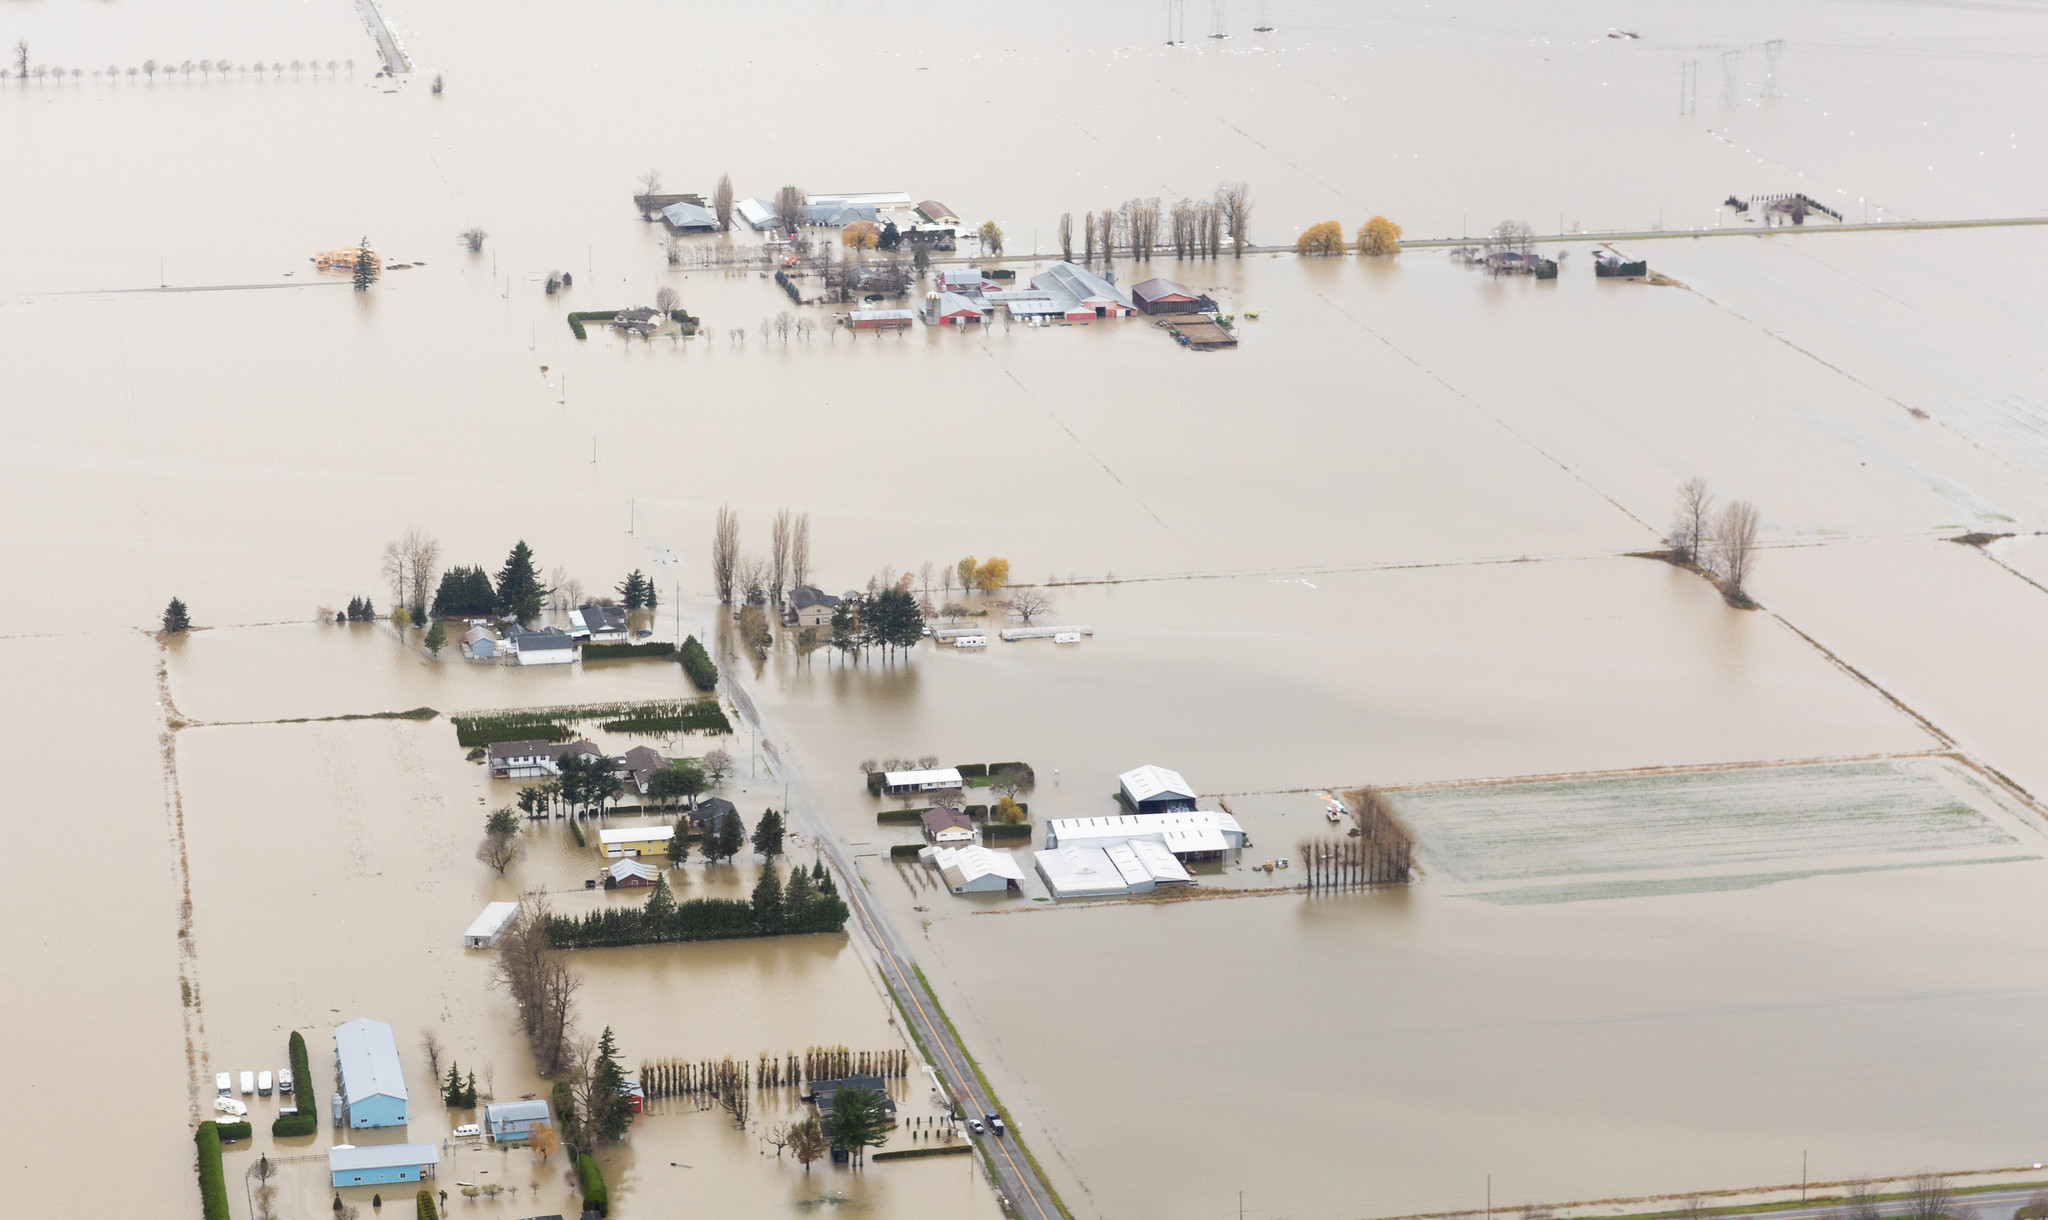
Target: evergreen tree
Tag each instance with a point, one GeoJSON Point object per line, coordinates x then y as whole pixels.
{"type": "Point", "coordinates": [678, 845]}
{"type": "Point", "coordinates": [768, 900]}
{"type": "Point", "coordinates": [661, 905]}
{"type": "Point", "coordinates": [176, 617]}
{"type": "Point", "coordinates": [823, 876]}
{"type": "Point", "coordinates": [798, 897]}
{"type": "Point", "coordinates": [451, 1089]}
{"type": "Point", "coordinates": [859, 1121]}
{"type": "Point", "coordinates": [469, 1093]}
{"type": "Point", "coordinates": [369, 611]}
{"type": "Point", "coordinates": [730, 838]}
{"type": "Point", "coordinates": [355, 609]}
{"type": "Point", "coordinates": [768, 835]}
{"type": "Point", "coordinates": [437, 638]}
{"type": "Point", "coordinates": [465, 592]}
{"type": "Point", "coordinates": [846, 627]}
{"type": "Point", "coordinates": [633, 590]}
{"type": "Point", "coordinates": [366, 268]}
{"type": "Point", "coordinates": [609, 1116]}
{"type": "Point", "coordinates": [519, 589]}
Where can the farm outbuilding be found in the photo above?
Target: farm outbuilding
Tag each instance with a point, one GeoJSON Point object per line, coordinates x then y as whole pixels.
{"type": "Point", "coordinates": [1150, 789]}
{"type": "Point", "coordinates": [1163, 296]}
{"type": "Point", "coordinates": [489, 926]}
{"type": "Point", "coordinates": [550, 647]}
{"type": "Point", "coordinates": [941, 779]}
{"type": "Point", "coordinates": [630, 874]}
{"type": "Point", "coordinates": [976, 870]}
{"type": "Point", "coordinates": [348, 1165]}
{"type": "Point", "coordinates": [371, 1082]}
{"type": "Point", "coordinates": [882, 319]}
{"type": "Point", "coordinates": [626, 842]}
{"type": "Point", "coordinates": [689, 218]}
{"type": "Point", "coordinates": [507, 1122]}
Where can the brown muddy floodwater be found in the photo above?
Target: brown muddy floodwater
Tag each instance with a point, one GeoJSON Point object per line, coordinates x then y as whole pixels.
{"type": "Point", "coordinates": [1384, 540]}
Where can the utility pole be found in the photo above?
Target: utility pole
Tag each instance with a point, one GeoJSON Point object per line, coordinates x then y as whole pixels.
{"type": "Point", "coordinates": [1489, 1197]}
{"type": "Point", "coordinates": [1802, 1175]}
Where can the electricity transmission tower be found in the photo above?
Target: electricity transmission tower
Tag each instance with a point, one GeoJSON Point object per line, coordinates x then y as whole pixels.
{"type": "Point", "coordinates": [1772, 50]}
{"type": "Point", "coordinates": [1264, 26]}
{"type": "Point", "coordinates": [1176, 22]}
{"type": "Point", "coordinates": [1731, 78]}
{"type": "Point", "coordinates": [1688, 86]}
{"type": "Point", "coordinates": [1216, 19]}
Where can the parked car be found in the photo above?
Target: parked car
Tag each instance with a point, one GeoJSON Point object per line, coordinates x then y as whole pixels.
{"type": "Point", "coordinates": [248, 1083]}
{"type": "Point", "coordinates": [228, 1105]}
{"type": "Point", "coordinates": [264, 1082]}
{"type": "Point", "coordinates": [974, 1125]}
{"type": "Point", "coordinates": [468, 1131]}
{"type": "Point", "coordinates": [284, 1080]}
{"type": "Point", "coordinates": [223, 1084]}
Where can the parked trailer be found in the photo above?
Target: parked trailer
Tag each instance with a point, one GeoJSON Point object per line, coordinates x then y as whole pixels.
{"type": "Point", "coordinates": [1012, 634]}
{"type": "Point", "coordinates": [248, 1084]}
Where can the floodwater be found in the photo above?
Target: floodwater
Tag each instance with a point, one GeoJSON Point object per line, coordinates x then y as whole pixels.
{"type": "Point", "coordinates": [1382, 541]}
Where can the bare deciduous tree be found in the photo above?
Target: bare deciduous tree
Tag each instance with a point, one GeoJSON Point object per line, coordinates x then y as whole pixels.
{"type": "Point", "coordinates": [1735, 545]}
{"type": "Point", "coordinates": [499, 850]}
{"type": "Point", "coordinates": [725, 552]}
{"type": "Point", "coordinates": [777, 1137]}
{"type": "Point", "coordinates": [1930, 1197]}
{"type": "Point", "coordinates": [1067, 236]}
{"type": "Point", "coordinates": [650, 182]}
{"type": "Point", "coordinates": [473, 240]}
{"type": "Point", "coordinates": [430, 1046]}
{"type": "Point", "coordinates": [541, 985]}
{"type": "Point", "coordinates": [1860, 1202]}
{"type": "Point", "coordinates": [789, 205]}
{"type": "Point", "coordinates": [667, 300]}
{"type": "Point", "coordinates": [1234, 199]}
{"type": "Point", "coordinates": [800, 551]}
{"type": "Point", "coordinates": [721, 201]}
{"type": "Point", "coordinates": [1029, 602]}
{"type": "Point", "coordinates": [778, 554]}
{"type": "Point", "coordinates": [1689, 529]}
{"type": "Point", "coordinates": [410, 566]}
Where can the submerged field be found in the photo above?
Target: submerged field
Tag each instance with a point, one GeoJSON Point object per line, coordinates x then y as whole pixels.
{"type": "Point", "coordinates": [1723, 821]}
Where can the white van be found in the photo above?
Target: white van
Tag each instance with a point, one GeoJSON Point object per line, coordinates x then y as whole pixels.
{"type": "Point", "coordinates": [223, 1084]}
{"type": "Point", "coordinates": [248, 1083]}
{"type": "Point", "coordinates": [263, 1083]}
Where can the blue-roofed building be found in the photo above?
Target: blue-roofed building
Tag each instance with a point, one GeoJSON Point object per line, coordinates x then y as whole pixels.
{"type": "Point", "coordinates": [508, 1122]}
{"type": "Point", "coordinates": [372, 1085]}
{"type": "Point", "coordinates": [348, 1165]}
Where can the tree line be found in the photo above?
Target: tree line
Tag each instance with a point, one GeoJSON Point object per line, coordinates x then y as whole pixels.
{"type": "Point", "coordinates": [1378, 236]}
{"type": "Point", "coordinates": [148, 68]}
{"type": "Point", "coordinates": [809, 902]}
{"type": "Point", "coordinates": [1194, 228]}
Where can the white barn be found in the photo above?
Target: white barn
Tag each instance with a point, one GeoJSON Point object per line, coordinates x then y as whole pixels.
{"type": "Point", "coordinates": [896, 783]}
{"type": "Point", "coordinates": [489, 926]}
{"type": "Point", "coordinates": [1197, 832]}
{"type": "Point", "coordinates": [977, 870]}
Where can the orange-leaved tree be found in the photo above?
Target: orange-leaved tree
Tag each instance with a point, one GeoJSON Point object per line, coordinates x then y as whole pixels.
{"type": "Point", "coordinates": [1379, 236]}
{"type": "Point", "coordinates": [1325, 238]}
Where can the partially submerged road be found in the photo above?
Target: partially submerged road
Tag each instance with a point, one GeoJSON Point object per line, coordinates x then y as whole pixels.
{"type": "Point", "coordinates": [1023, 1190]}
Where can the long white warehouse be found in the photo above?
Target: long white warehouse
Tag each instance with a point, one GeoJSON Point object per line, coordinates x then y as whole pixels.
{"type": "Point", "coordinates": [1135, 867]}
{"type": "Point", "coordinates": [1195, 833]}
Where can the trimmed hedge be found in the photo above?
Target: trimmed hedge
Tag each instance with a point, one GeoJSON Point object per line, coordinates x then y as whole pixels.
{"type": "Point", "coordinates": [595, 1197]}
{"type": "Point", "coordinates": [213, 1180]}
{"type": "Point", "coordinates": [230, 1132]}
{"type": "Point", "coordinates": [307, 1120]}
{"type": "Point", "coordinates": [626, 652]}
{"type": "Point", "coordinates": [973, 770]}
{"type": "Point", "coordinates": [426, 1205]}
{"type": "Point", "coordinates": [905, 851]}
{"type": "Point", "coordinates": [698, 665]}
{"type": "Point", "coordinates": [906, 1154]}
{"type": "Point", "coordinates": [894, 816]}
{"type": "Point", "coordinates": [508, 726]}
{"type": "Point", "coordinates": [576, 320]}
{"type": "Point", "coordinates": [1021, 830]}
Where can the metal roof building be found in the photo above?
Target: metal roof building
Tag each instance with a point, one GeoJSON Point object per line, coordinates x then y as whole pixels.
{"type": "Point", "coordinates": [1196, 832]}
{"type": "Point", "coordinates": [937, 780]}
{"type": "Point", "coordinates": [1150, 789]}
{"type": "Point", "coordinates": [757, 212]}
{"type": "Point", "coordinates": [379, 1163]}
{"type": "Point", "coordinates": [372, 1083]}
{"type": "Point", "coordinates": [1161, 295]}
{"type": "Point", "coordinates": [484, 933]}
{"type": "Point", "coordinates": [1100, 871]}
{"type": "Point", "coordinates": [629, 873]}
{"type": "Point", "coordinates": [861, 199]}
{"type": "Point", "coordinates": [1097, 296]}
{"type": "Point", "coordinates": [689, 218]}
{"type": "Point", "coordinates": [970, 870]}
{"type": "Point", "coordinates": [506, 1121]}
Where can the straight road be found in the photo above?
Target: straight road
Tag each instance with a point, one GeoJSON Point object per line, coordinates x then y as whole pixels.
{"type": "Point", "coordinates": [1023, 1190]}
{"type": "Point", "coordinates": [1986, 1205]}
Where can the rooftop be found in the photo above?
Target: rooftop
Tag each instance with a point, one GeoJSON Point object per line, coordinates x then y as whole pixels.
{"type": "Point", "coordinates": [516, 1111]}
{"type": "Point", "coordinates": [635, 834]}
{"type": "Point", "coordinates": [381, 1156]}
{"type": "Point", "coordinates": [493, 920]}
{"type": "Point", "coordinates": [941, 775]}
{"type": "Point", "coordinates": [962, 865]}
{"type": "Point", "coordinates": [368, 1056]}
{"type": "Point", "coordinates": [1148, 782]}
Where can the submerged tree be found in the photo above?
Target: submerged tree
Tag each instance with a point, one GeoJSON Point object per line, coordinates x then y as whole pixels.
{"type": "Point", "coordinates": [768, 834]}
{"type": "Point", "coordinates": [725, 552]}
{"type": "Point", "coordinates": [721, 201]}
{"type": "Point", "coordinates": [176, 618]}
{"type": "Point", "coordinates": [1379, 236]}
{"type": "Point", "coordinates": [860, 1120]}
{"type": "Point", "coordinates": [991, 235]}
{"type": "Point", "coordinates": [1324, 238]}
{"type": "Point", "coordinates": [473, 240]}
{"type": "Point", "coordinates": [1235, 201]}
{"type": "Point", "coordinates": [1689, 527]}
{"type": "Point", "coordinates": [519, 589]}
{"type": "Point", "coordinates": [1735, 547]}
{"type": "Point", "coordinates": [808, 1142]}
{"type": "Point", "coordinates": [366, 265]}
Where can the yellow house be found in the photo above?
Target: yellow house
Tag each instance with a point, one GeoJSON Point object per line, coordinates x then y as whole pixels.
{"type": "Point", "coordinates": [626, 841]}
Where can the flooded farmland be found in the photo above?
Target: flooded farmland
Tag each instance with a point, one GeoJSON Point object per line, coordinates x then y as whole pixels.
{"type": "Point", "coordinates": [1702, 887]}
